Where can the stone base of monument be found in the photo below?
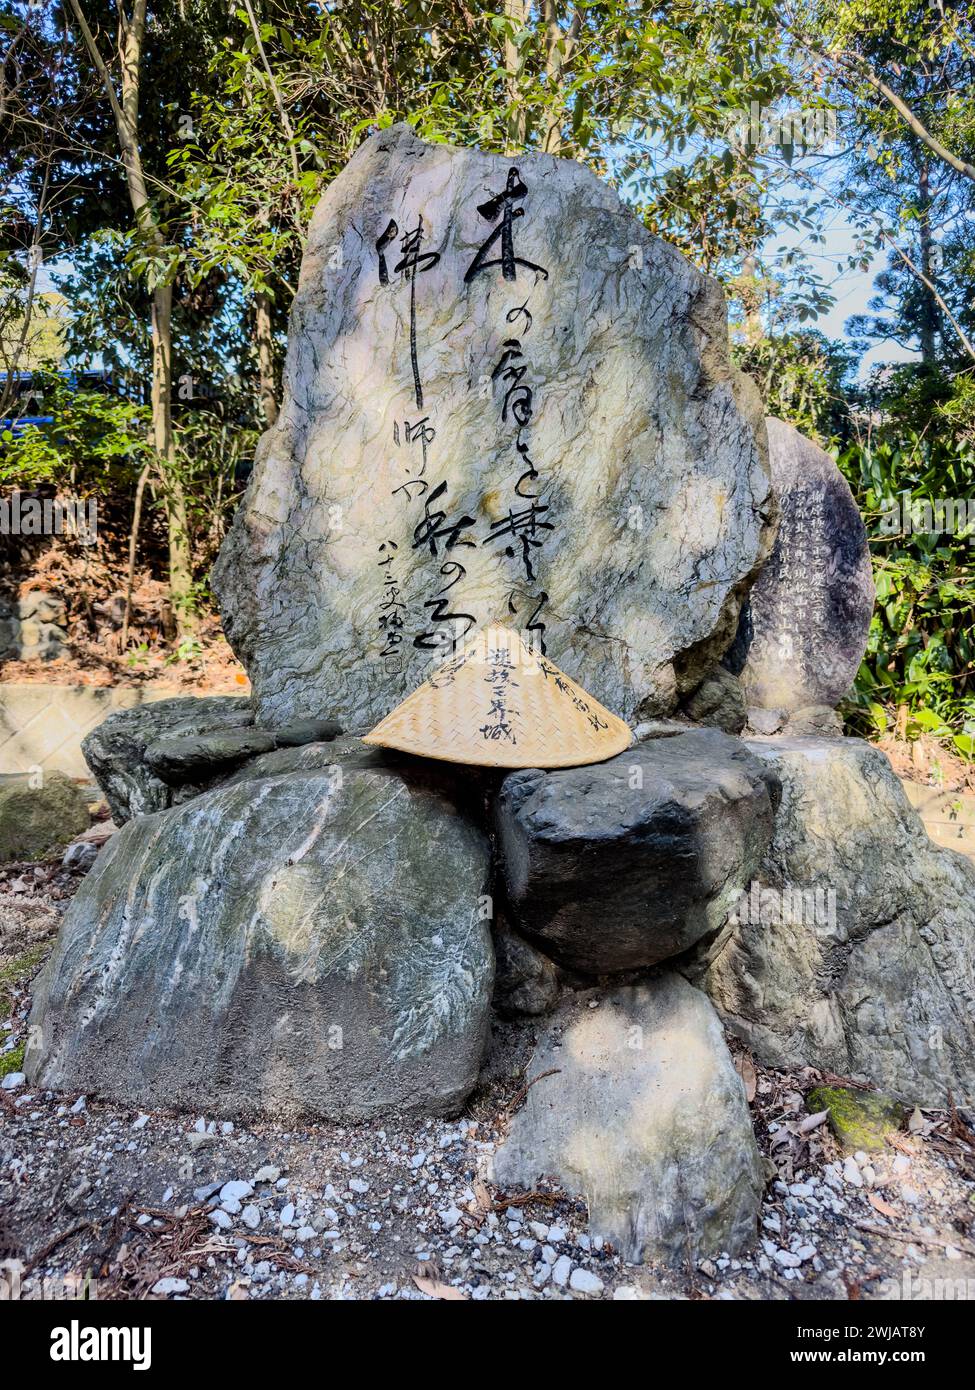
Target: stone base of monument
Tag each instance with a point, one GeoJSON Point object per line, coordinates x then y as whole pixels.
{"type": "Point", "coordinates": [323, 933]}
{"type": "Point", "coordinates": [639, 1110]}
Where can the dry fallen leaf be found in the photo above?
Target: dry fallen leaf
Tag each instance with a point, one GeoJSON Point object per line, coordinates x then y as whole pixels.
{"type": "Point", "coordinates": [811, 1122]}
{"type": "Point", "coordinates": [745, 1068]}
{"type": "Point", "coordinates": [436, 1289]}
{"type": "Point", "coordinates": [880, 1205]}
{"type": "Point", "coordinates": [482, 1196]}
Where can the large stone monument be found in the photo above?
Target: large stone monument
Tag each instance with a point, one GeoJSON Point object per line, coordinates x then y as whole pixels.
{"type": "Point", "coordinates": [507, 403]}
{"type": "Point", "coordinates": [504, 401]}
{"type": "Point", "coordinates": [803, 628]}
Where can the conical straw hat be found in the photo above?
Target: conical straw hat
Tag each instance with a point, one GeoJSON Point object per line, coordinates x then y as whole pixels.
{"type": "Point", "coordinates": [497, 704]}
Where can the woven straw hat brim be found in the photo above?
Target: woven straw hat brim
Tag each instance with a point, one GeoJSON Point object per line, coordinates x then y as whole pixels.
{"type": "Point", "coordinates": [496, 704]}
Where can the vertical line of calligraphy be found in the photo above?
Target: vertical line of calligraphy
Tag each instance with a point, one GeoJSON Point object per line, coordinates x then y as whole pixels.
{"type": "Point", "coordinates": [417, 387]}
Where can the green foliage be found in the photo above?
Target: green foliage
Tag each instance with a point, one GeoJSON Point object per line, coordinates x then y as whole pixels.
{"type": "Point", "coordinates": [97, 444]}
{"type": "Point", "coordinates": [803, 379]}
{"type": "Point", "coordinates": [921, 652]}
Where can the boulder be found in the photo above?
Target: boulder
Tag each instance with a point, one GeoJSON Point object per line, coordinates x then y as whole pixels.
{"type": "Point", "coordinates": [622, 864]}
{"type": "Point", "coordinates": [718, 702]}
{"type": "Point", "coordinates": [163, 754]}
{"type": "Point", "coordinates": [311, 943]}
{"type": "Point", "coordinates": [526, 982]}
{"type": "Point", "coordinates": [36, 821]}
{"type": "Point", "coordinates": [645, 1117]}
{"type": "Point", "coordinates": [859, 1119]}
{"type": "Point", "coordinates": [504, 400]}
{"type": "Point", "coordinates": [803, 629]}
{"type": "Point", "coordinates": [193, 758]}
{"type": "Point", "coordinates": [116, 750]}
{"type": "Point", "coordinates": [854, 950]}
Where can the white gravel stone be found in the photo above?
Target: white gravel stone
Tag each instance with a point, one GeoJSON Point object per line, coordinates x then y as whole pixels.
{"type": "Point", "coordinates": [584, 1281]}
{"type": "Point", "coordinates": [170, 1286]}
{"type": "Point", "coordinates": [561, 1271]}
{"type": "Point", "coordinates": [238, 1188]}
{"type": "Point", "coordinates": [851, 1173]}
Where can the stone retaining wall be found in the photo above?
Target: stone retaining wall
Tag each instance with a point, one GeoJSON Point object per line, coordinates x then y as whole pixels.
{"type": "Point", "coordinates": [43, 725]}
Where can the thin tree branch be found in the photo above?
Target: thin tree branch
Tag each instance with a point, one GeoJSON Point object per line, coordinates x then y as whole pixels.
{"type": "Point", "coordinates": [279, 100]}
{"type": "Point", "coordinates": [932, 289]}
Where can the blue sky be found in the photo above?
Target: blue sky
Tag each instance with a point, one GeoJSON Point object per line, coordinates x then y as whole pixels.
{"type": "Point", "coordinates": [852, 288]}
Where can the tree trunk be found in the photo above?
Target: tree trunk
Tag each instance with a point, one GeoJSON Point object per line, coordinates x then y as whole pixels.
{"type": "Point", "coordinates": [514, 10]}
{"type": "Point", "coordinates": [265, 357]}
{"type": "Point", "coordinates": [131, 35]}
{"type": "Point", "coordinates": [180, 561]}
{"type": "Point", "coordinates": [929, 310]}
{"type": "Point", "coordinates": [751, 298]}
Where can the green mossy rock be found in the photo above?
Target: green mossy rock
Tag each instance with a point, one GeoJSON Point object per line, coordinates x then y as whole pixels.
{"type": "Point", "coordinates": [13, 1060]}
{"type": "Point", "coordinates": [859, 1119]}
{"type": "Point", "coordinates": [307, 943]}
{"type": "Point", "coordinates": [34, 821]}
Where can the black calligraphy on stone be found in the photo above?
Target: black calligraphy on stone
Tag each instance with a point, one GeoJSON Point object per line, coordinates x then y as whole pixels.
{"type": "Point", "coordinates": [502, 208]}
{"type": "Point", "coordinates": [412, 262]}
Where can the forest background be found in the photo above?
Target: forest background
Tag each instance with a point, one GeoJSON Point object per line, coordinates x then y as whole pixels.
{"type": "Point", "coordinates": [159, 163]}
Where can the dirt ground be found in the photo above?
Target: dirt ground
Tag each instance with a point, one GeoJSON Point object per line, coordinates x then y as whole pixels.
{"type": "Point", "coordinates": [127, 1204]}
{"type": "Point", "coordinates": [207, 667]}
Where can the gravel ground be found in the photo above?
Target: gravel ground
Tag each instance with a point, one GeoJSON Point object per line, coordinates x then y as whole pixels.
{"type": "Point", "coordinates": [165, 1206]}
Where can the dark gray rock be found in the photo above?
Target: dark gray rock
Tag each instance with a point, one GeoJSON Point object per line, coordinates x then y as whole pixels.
{"type": "Point", "coordinates": [165, 752]}
{"type": "Point", "coordinates": [302, 731]}
{"type": "Point", "coordinates": [308, 943]}
{"type": "Point", "coordinates": [854, 951]}
{"type": "Point", "coordinates": [645, 1117]}
{"type": "Point", "coordinates": [80, 855]}
{"type": "Point", "coordinates": [194, 758]}
{"type": "Point", "coordinates": [526, 982]}
{"type": "Point", "coordinates": [803, 630]}
{"type": "Point", "coordinates": [116, 750]}
{"type": "Point", "coordinates": [622, 864]}
{"type": "Point", "coordinates": [718, 702]}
